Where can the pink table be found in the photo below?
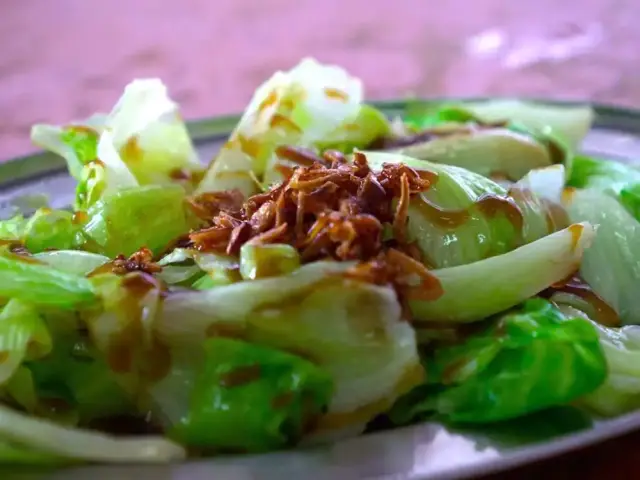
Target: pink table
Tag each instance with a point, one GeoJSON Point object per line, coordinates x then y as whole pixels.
{"type": "Point", "coordinates": [63, 60]}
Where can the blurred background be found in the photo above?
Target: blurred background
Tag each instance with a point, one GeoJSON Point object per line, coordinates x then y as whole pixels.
{"type": "Point", "coordinates": [64, 59]}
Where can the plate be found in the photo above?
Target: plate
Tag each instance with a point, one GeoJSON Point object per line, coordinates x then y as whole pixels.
{"type": "Point", "coordinates": [426, 451]}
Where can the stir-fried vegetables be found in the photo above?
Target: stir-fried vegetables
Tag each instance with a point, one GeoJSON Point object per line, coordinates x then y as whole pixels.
{"type": "Point", "coordinates": [249, 397]}
{"type": "Point", "coordinates": [525, 360]}
{"type": "Point", "coordinates": [329, 269]}
{"type": "Point", "coordinates": [142, 141]}
{"type": "Point", "coordinates": [611, 266]}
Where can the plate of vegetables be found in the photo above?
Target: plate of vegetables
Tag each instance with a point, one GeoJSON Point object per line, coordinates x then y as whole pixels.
{"type": "Point", "coordinates": [321, 287]}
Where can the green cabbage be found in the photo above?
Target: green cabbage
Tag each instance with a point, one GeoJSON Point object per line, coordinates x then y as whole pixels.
{"type": "Point", "coordinates": [351, 329]}
{"type": "Point", "coordinates": [188, 265]}
{"type": "Point", "coordinates": [23, 336]}
{"type": "Point", "coordinates": [369, 124]}
{"type": "Point", "coordinates": [26, 437]}
{"type": "Point", "coordinates": [259, 261]}
{"type": "Point", "coordinates": [310, 103]}
{"type": "Point", "coordinates": [489, 152]}
{"type": "Point", "coordinates": [526, 360]}
{"type": "Point", "coordinates": [75, 262]}
{"type": "Point", "coordinates": [473, 292]}
{"type": "Point", "coordinates": [613, 178]}
{"type": "Point", "coordinates": [452, 227]}
{"type": "Point", "coordinates": [247, 397]}
{"type": "Point", "coordinates": [45, 229]}
{"type": "Point", "coordinates": [34, 282]}
{"type": "Point", "coordinates": [150, 216]}
{"type": "Point", "coordinates": [571, 123]}
{"type": "Point", "coordinates": [143, 133]}
{"type": "Point", "coordinates": [611, 265]}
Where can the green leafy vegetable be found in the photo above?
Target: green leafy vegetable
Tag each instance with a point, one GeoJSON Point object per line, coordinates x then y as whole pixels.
{"type": "Point", "coordinates": [464, 217]}
{"type": "Point", "coordinates": [495, 284]}
{"type": "Point", "coordinates": [351, 329]}
{"type": "Point", "coordinates": [489, 152]}
{"type": "Point", "coordinates": [45, 229]}
{"type": "Point", "coordinates": [611, 265]}
{"type": "Point", "coordinates": [121, 329]}
{"type": "Point", "coordinates": [23, 335]}
{"type": "Point", "coordinates": [150, 135]}
{"type": "Point", "coordinates": [77, 375]}
{"type": "Point", "coordinates": [103, 177]}
{"type": "Point", "coordinates": [259, 261]}
{"type": "Point", "coordinates": [422, 115]}
{"type": "Point", "coordinates": [527, 360]}
{"type": "Point", "coordinates": [613, 178]}
{"type": "Point", "coordinates": [32, 281]}
{"type": "Point", "coordinates": [569, 122]}
{"type": "Point", "coordinates": [306, 105]}
{"type": "Point", "coordinates": [144, 133]}
{"type": "Point", "coordinates": [184, 264]}
{"type": "Point", "coordinates": [252, 398]}
{"type": "Point", "coordinates": [621, 391]}
{"type": "Point", "coordinates": [75, 262]}
{"type": "Point", "coordinates": [77, 144]}
{"type": "Point", "coordinates": [149, 216]}
{"type": "Point", "coordinates": [28, 435]}
{"type": "Point", "coordinates": [369, 124]}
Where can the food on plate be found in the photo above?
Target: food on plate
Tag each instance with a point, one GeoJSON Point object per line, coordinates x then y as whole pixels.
{"type": "Point", "coordinates": [329, 270]}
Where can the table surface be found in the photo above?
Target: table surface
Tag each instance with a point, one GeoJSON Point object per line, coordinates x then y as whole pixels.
{"type": "Point", "coordinates": [64, 60]}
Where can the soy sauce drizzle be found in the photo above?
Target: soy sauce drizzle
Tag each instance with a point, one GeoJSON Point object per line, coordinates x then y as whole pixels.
{"type": "Point", "coordinates": [489, 204]}
{"type": "Point", "coordinates": [574, 285]}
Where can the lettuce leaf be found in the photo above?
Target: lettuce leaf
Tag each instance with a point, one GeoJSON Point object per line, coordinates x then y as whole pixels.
{"type": "Point", "coordinates": [34, 282]}
{"type": "Point", "coordinates": [23, 435]}
{"type": "Point", "coordinates": [527, 360]}
{"type": "Point", "coordinates": [490, 152]}
{"type": "Point", "coordinates": [611, 265]}
{"type": "Point", "coordinates": [75, 262]}
{"type": "Point", "coordinates": [184, 264]}
{"type": "Point", "coordinates": [149, 216]}
{"type": "Point", "coordinates": [23, 336]}
{"type": "Point", "coordinates": [570, 122]}
{"type": "Point", "coordinates": [251, 398]}
{"type": "Point", "coordinates": [272, 260]}
{"type": "Point", "coordinates": [616, 179]}
{"type": "Point", "coordinates": [464, 217]}
{"type": "Point", "coordinates": [308, 104]}
{"type": "Point", "coordinates": [351, 329]}
{"type": "Point", "coordinates": [475, 291]}
{"type": "Point", "coordinates": [621, 391]}
{"type": "Point", "coordinates": [102, 177]}
{"type": "Point", "coordinates": [46, 229]}
{"type": "Point", "coordinates": [369, 124]}
{"type": "Point", "coordinates": [76, 143]}
{"type": "Point", "coordinates": [142, 141]}
{"type": "Point", "coordinates": [76, 374]}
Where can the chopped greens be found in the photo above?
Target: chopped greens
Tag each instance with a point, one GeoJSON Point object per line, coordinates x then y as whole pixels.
{"type": "Point", "coordinates": [329, 269]}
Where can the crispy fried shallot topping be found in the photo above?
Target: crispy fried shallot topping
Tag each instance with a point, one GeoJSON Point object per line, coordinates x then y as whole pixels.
{"type": "Point", "coordinates": [327, 209]}
{"type": "Point", "coordinates": [140, 261]}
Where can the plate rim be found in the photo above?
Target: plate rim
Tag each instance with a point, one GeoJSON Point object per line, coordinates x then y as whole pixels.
{"type": "Point", "coordinates": [42, 163]}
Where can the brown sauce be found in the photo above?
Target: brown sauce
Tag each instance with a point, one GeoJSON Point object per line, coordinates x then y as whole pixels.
{"type": "Point", "coordinates": [240, 376]}
{"type": "Point", "coordinates": [576, 232]}
{"type": "Point", "coordinates": [226, 329]}
{"type": "Point", "coordinates": [390, 143]}
{"type": "Point", "coordinates": [604, 313]}
{"type": "Point", "coordinates": [298, 155]}
{"type": "Point", "coordinates": [489, 204]}
{"type": "Point", "coordinates": [127, 351]}
{"type": "Point", "coordinates": [79, 217]}
{"type": "Point", "coordinates": [283, 400]}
